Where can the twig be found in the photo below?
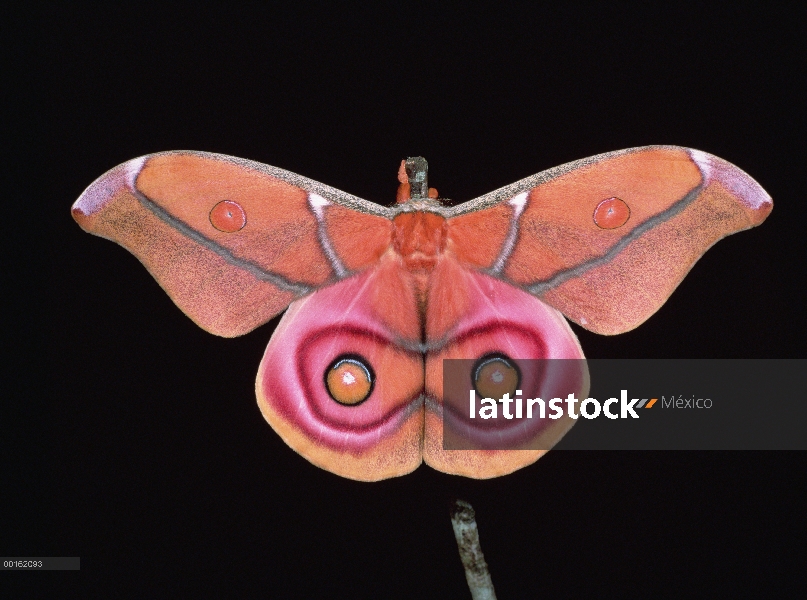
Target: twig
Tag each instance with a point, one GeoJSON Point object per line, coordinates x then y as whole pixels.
{"type": "Point", "coordinates": [463, 520]}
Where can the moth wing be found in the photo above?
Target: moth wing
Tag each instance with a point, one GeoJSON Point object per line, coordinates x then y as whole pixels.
{"type": "Point", "coordinates": [607, 239]}
{"type": "Point", "coordinates": [232, 241]}
{"type": "Point", "coordinates": [496, 320]}
{"type": "Point", "coordinates": [377, 432]}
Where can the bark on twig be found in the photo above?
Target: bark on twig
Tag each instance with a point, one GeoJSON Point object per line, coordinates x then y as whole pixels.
{"type": "Point", "coordinates": [463, 520]}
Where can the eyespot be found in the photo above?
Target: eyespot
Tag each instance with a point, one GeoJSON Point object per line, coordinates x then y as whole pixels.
{"type": "Point", "coordinates": [495, 375]}
{"type": "Point", "coordinates": [349, 379]}
{"type": "Point", "coordinates": [228, 216]}
{"type": "Point", "coordinates": [611, 213]}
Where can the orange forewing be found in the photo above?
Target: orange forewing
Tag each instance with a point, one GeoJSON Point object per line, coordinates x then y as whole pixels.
{"type": "Point", "coordinates": [163, 208]}
{"type": "Point", "coordinates": [357, 238]}
{"type": "Point", "coordinates": [476, 238]}
{"type": "Point", "coordinates": [220, 298]}
{"type": "Point", "coordinates": [280, 234]}
{"type": "Point", "coordinates": [640, 278]}
{"type": "Point", "coordinates": [610, 280]}
{"type": "Point", "coordinates": [559, 230]}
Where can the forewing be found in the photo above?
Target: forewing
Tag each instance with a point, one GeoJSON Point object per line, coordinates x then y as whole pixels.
{"type": "Point", "coordinates": [607, 239]}
{"type": "Point", "coordinates": [232, 241]}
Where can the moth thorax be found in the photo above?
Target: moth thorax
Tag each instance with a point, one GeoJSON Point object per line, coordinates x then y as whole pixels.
{"type": "Point", "coordinates": [419, 238]}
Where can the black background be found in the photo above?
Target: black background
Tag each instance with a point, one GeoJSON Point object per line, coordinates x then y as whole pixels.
{"type": "Point", "coordinates": [132, 437]}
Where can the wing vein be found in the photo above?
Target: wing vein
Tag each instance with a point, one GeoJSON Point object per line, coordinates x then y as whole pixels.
{"type": "Point", "coordinates": [255, 270]}
{"type": "Point", "coordinates": [543, 286]}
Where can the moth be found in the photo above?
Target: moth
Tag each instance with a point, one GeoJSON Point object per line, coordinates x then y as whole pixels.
{"type": "Point", "coordinates": [377, 296]}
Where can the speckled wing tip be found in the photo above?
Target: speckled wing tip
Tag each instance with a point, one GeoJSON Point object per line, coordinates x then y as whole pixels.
{"type": "Point", "coordinates": [107, 186]}
{"type": "Point", "coordinates": [734, 179]}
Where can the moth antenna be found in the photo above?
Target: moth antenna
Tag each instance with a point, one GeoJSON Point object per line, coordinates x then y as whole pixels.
{"type": "Point", "coordinates": [402, 173]}
{"type": "Point", "coordinates": [403, 185]}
